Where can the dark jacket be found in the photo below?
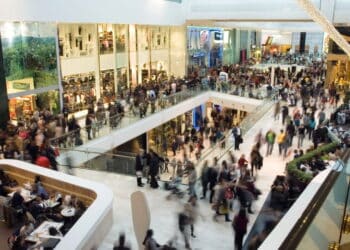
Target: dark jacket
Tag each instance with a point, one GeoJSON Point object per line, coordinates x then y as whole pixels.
{"type": "Point", "coordinates": [138, 163]}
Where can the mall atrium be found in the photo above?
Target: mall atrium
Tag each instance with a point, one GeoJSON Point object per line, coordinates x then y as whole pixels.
{"type": "Point", "coordinates": [175, 124]}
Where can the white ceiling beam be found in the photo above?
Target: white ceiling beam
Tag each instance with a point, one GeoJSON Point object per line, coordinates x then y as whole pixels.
{"type": "Point", "coordinates": [326, 24]}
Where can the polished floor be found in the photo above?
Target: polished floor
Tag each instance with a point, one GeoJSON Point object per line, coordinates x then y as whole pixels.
{"type": "Point", "coordinates": [210, 234]}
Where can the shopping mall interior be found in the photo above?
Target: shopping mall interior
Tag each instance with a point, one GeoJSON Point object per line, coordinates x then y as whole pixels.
{"type": "Point", "coordinates": [175, 124]}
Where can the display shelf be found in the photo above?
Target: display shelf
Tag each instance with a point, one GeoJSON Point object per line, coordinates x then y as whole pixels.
{"type": "Point", "coordinates": [79, 91]}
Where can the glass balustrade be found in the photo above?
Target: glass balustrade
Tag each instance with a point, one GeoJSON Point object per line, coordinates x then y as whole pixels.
{"type": "Point", "coordinates": [98, 160]}
{"type": "Point", "coordinates": [326, 227]}
{"type": "Point", "coordinates": [107, 123]}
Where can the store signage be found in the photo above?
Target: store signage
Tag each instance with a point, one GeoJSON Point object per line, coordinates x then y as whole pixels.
{"type": "Point", "coordinates": [218, 35]}
{"type": "Point", "coordinates": [20, 85]}
{"type": "Point", "coordinates": [198, 54]}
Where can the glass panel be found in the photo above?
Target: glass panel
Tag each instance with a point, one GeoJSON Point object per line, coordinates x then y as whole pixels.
{"type": "Point", "coordinates": [22, 108]}
{"type": "Point", "coordinates": [119, 118]}
{"type": "Point", "coordinates": [121, 34]}
{"type": "Point", "coordinates": [159, 53]}
{"type": "Point", "coordinates": [121, 41]}
{"type": "Point", "coordinates": [143, 53]}
{"type": "Point", "coordinates": [76, 40]}
{"type": "Point", "coordinates": [49, 101]}
{"type": "Point", "coordinates": [79, 91]}
{"type": "Point", "coordinates": [29, 51]}
{"type": "Point", "coordinates": [105, 34]}
{"type": "Point", "coordinates": [107, 85]}
{"type": "Point", "coordinates": [326, 226]}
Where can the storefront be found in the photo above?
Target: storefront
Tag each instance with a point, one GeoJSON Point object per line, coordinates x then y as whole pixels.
{"type": "Point", "coordinates": [96, 61]}
{"type": "Point", "coordinates": [205, 49]}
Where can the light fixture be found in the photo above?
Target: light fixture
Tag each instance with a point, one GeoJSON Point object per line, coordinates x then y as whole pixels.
{"type": "Point", "coordinates": [327, 26]}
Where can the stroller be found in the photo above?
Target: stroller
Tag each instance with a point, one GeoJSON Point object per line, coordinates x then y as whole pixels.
{"type": "Point", "coordinates": [173, 187]}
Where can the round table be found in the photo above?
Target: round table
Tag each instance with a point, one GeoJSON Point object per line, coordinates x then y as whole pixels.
{"type": "Point", "coordinates": [68, 212]}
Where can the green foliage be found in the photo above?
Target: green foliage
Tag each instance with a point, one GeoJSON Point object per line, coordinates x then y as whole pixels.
{"type": "Point", "coordinates": [292, 167]}
{"type": "Point", "coordinates": [31, 57]}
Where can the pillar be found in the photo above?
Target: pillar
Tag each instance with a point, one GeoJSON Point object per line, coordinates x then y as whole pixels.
{"type": "Point", "coordinates": [4, 105]}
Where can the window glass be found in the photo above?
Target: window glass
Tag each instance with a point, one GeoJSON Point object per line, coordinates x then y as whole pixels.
{"type": "Point", "coordinates": [29, 52]}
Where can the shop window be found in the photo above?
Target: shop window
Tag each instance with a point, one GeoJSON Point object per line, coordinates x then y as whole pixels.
{"type": "Point", "coordinates": [107, 86]}
{"type": "Point", "coordinates": [122, 79]}
{"type": "Point", "coordinates": [105, 34]}
{"type": "Point", "coordinates": [79, 91]}
{"type": "Point", "coordinates": [121, 37]}
{"type": "Point", "coordinates": [29, 52]}
{"type": "Point", "coordinates": [48, 101]}
{"type": "Point", "coordinates": [22, 108]}
{"type": "Point", "coordinates": [76, 40]}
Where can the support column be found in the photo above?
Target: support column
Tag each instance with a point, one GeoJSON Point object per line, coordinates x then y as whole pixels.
{"type": "Point", "coordinates": [4, 102]}
{"type": "Point", "coordinates": [272, 76]}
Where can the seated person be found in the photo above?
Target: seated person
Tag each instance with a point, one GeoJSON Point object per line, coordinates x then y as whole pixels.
{"type": "Point", "coordinates": [26, 229]}
{"type": "Point", "coordinates": [67, 201]}
{"type": "Point", "coordinates": [79, 209]}
{"type": "Point", "coordinates": [320, 164]}
{"type": "Point", "coordinates": [54, 232]}
{"type": "Point", "coordinates": [39, 190]}
{"type": "Point", "coordinates": [48, 243]}
{"type": "Point", "coordinates": [17, 201]}
{"type": "Point", "coordinates": [279, 191]}
{"type": "Point", "coordinates": [296, 153]}
{"type": "Point", "coordinates": [36, 208]}
{"type": "Point", "coordinates": [4, 178]}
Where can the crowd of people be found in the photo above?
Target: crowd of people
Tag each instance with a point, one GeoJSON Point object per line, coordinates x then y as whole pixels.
{"type": "Point", "coordinates": [301, 107]}
{"type": "Point", "coordinates": [26, 207]}
{"type": "Point", "coordinates": [301, 102]}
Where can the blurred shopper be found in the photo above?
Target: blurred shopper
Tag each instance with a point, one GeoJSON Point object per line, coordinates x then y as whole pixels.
{"type": "Point", "coordinates": [239, 225]}
{"type": "Point", "coordinates": [121, 244]}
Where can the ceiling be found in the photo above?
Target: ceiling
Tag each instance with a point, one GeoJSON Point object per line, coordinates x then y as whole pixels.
{"type": "Point", "coordinates": [265, 14]}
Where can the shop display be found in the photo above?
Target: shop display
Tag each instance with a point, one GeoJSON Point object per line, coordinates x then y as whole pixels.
{"type": "Point", "coordinates": [76, 40]}
{"type": "Point", "coordinates": [120, 37]}
{"type": "Point", "coordinates": [107, 86]}
{"type": "Point", "coordinates": [205, 48]}
{"type": "Point", "coordinates": [21, 108]}
{"type": "Point", "coordinates": [105, 34]}
{"type": "Point", "coordinates": [79, 91]}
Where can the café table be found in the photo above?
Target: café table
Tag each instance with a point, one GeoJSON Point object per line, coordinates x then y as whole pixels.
{"type": "Point", "coordinates": [49, 203]}
{"type": "Point", "coordinates": [27, 196]}
{"type": "Point", "coordinates": [68, 212]}
{"type": "Point", "coordinates": [42, 231]}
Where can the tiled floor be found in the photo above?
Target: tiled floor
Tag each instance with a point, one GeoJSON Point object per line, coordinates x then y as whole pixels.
{"type": "Point", "coordinates": [210, 234]}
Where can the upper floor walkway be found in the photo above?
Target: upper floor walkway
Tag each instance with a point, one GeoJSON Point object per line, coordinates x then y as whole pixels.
{"type": "Point", "coordinates": [117, 130]}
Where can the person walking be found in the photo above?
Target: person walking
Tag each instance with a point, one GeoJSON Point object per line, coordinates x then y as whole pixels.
{"type": "Point", "coordinates": [290, 129]}
{"type": "Point", "coordinates": [255, 160]}
{"type": "Point", "coordinates": [270, 138]}
{"type": "Point", "coordinates": [285, 112]}
{"type": "Point", "coordinates": [236, 132]}
{"type": "Point", "coordinates": [212, 178]}
{"type": "Point", "coordinates": [149, 242]}
{"type": "Point", "coordinates": [154, 169]}
{"type": "Point", "coordinates": [139, 167]}
{"type": "Point", "coordinates": [204, 179]}
{"type": "Point", "coordinates": [301, 135]}
{"type": "Point", "coordinates": [184, 223]}
{"type": "Point", "coordinates": [277, 110]}
{"type": "Point", "coordinates": [239, 226]}
{"type": "Point", "coordinates": [281, 140]}
{"type": "Point", "coordinates": [192, 179]}
{"type": "Point", "coordinates": [121, 245]}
